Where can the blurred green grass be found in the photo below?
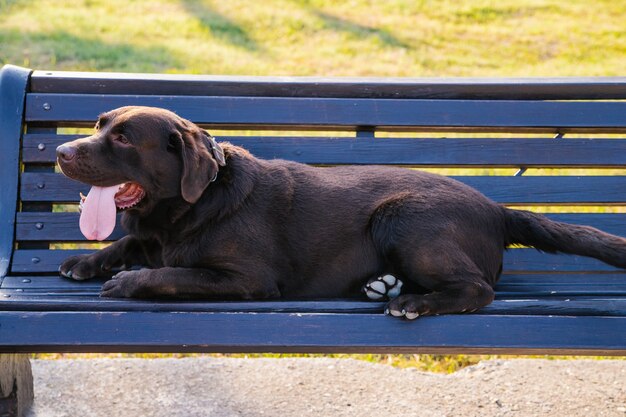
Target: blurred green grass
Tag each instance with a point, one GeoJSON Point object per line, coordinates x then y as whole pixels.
{"type": "Point", "coordinates": [429, 38]}
{"type": "Point", "coordinates": [318, 37]}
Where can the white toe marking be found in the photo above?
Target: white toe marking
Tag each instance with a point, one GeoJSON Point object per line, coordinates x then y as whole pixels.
{"type": "Point", "coordinates": [411, 316]}
{"type": "Point", "coordinates": [372, 295]}
{"type": "Point", "coordinates": [395, 291]}
{"type": "Point", "coordinates": [396, 313]}
{"type": "Point", "coordinates": [389, 279]}
{"type": "Point", "coordinates": [378, 286]}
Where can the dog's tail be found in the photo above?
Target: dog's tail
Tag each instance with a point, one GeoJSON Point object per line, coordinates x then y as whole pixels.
{"type": "Point", "coordinates": [533, 229]}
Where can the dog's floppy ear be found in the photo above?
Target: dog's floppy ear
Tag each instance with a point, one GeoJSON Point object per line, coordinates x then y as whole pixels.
{"type": "Point", "coordinates": [200, 161]}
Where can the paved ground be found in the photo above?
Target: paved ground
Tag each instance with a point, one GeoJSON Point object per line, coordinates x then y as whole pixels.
{"type": "Point", "coordinates": [324, 387]}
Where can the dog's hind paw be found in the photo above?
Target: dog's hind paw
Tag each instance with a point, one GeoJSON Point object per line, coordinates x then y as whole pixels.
{"type": "Point", "coordinates": [383, 286]}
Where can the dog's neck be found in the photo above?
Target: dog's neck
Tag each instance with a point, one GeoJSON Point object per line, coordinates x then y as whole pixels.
{"type": "Point", "coordinates": [231, 186]}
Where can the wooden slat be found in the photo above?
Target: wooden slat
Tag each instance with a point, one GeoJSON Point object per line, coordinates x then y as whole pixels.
{"type": "Point", "coordinates": [63, 227]}
{"type": "Point", "coordinates": [40, 260]}
{"type": "Point", "coordinates": [566, 285]}
{"type": "Point", "coordinates": [533, 281]}
{"type": "Point", "coordinates": [570, 291]}
{"type": "Point", "coordinates": [53, 283]}
{"type": "Point", "coordinates": [588, 190]}
{"type": "Point", "coordinates": [515, 261]}
{"type": "Point", "coordinates": [570, 88]}
{"type": "Point", "coordinates": [41, 148]}
{"type": "Point", "coordinates": [511, 283]}
{"type": "Point", "coordinates": [531, 260]}
{"type": "Point", "coordinates": [346, 113]}
{"type": "Point", "coordinates": [428, 152]}
{"type": "Point", "coordinates": [60, 227]}
{"type": "Point", "coordinates": [614, 306]}
{"type": "Point", "coordinates": [297, 332]}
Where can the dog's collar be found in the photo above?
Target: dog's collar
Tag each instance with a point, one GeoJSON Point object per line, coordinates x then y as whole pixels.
{"type": "Point", "coordinates": [216, 150]}
{"type": "Point", "coordinates": [218, 154]}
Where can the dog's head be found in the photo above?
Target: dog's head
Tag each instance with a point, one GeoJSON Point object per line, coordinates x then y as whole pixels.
{"type": "Point", "coordinates": [151, 153]}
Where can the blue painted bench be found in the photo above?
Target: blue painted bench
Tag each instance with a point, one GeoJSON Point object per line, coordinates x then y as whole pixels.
{"type": "Point", "coordinates": [544, 303]}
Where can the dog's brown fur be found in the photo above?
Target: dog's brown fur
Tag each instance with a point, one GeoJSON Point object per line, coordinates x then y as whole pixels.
{"type": "Point", "coordinates": [274, 228]}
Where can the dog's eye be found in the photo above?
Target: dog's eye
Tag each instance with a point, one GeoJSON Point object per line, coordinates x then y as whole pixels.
{"type": "Point", "coordinates": [121, 139]}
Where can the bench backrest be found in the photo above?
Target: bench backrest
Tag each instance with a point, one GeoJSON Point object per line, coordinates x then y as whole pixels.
{"type": "Point", "coordinates": [489, 129]}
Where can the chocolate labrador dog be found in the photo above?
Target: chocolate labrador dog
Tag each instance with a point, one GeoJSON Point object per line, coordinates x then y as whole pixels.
{"type": "Point", "coordinates": [209, 220]}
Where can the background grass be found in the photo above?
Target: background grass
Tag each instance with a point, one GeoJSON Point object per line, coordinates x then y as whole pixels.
{"type": "Point", "coordinates": [431, 38]}
{"type": "Point", "coordinates": [318, 37]}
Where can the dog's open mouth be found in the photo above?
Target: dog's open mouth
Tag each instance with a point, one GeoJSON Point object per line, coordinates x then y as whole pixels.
{"type": "Point", "coordinates": [99, 208]}
{"type": "Point", "coordinates": [129, 195]}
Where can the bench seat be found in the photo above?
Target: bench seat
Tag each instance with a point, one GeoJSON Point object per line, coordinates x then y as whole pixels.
{"type": "Point", "coordinates": [489, 131]}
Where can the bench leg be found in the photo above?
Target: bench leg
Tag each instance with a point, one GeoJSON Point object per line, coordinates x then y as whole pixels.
{"type": "Point", "coordinates": [16, 385]}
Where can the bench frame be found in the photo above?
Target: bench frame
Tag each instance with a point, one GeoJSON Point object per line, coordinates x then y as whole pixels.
{"type": "Point", "coordinates": [16, 379]}
{"type": "Point", "coordinates": [549, 326]}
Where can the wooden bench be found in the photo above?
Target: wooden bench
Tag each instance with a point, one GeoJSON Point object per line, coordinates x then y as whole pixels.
{"type": "Point", "coordinates": [545, 303]}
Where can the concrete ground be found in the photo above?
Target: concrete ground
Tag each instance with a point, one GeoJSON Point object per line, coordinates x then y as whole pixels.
{"type": "Point", "coordinates": [221, 387]}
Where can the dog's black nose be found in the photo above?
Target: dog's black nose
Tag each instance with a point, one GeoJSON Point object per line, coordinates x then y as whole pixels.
{"type": "Point", "coordinates": [66, 153]}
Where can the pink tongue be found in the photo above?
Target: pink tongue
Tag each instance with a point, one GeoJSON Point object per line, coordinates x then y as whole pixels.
{"type": "Point", "coordinates": [97, 220]}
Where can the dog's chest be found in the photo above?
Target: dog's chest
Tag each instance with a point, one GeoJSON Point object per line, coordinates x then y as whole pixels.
{"type": "Point", "coordinates": [204, 250]}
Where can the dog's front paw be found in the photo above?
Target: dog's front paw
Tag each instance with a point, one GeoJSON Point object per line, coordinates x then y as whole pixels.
{"type": "Point", "coordinates": [383, 286]}
{"type": "Point", "coordinates": [125, 284]}
{"type": "Point", "coordinates": [82, 267]}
